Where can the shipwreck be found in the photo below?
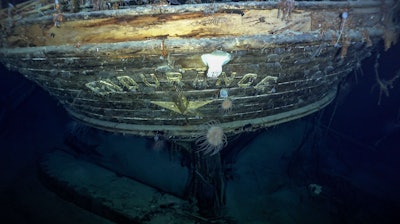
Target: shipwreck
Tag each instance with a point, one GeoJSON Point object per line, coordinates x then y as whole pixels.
{"type": "Point", "coordinates": [193, 72]}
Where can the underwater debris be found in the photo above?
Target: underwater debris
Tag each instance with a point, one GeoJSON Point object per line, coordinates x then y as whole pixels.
{"type": "Point", "coordinates": [315, 189]}
{"type": "Point", "coordinates": [96, 5]}
{"type": "Point", "coordinates": [10, 12]}
{"type": "Point", "coordinates": [233, 11]}
{"type": "Point", "coordinates": [344, 19]}
{"type": "Point", "coordinates": [285, 7]}
{"type": "Point", "coordinates": [358, 69]}
{"type": "Point", "coordinates": [164, 51]}
{"type": "Point", "coordinates": [389, 19]}
{"type": "Point", "coordinates": [390, 37]}
{"type": "Point", "coordinates": [384, 85]}
{"type": "Point", "coordinates": [57, 19]}
{"type": "Point", "coordinates": [366, 38]}
{"type": "Point", "coordinates": [345, 45]}
{"type": "Point", "coordinates": [57, 5]}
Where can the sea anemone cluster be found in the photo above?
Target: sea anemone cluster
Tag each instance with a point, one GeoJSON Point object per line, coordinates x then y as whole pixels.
{"type": "Point", "coordinates": [212, 140]}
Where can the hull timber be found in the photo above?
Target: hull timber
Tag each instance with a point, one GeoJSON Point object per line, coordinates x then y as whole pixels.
{"type": "Point", "coordinates": [139, 70]}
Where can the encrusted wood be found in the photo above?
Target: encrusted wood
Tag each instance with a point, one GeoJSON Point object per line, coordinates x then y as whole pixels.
{"type": "Point", "coordinates": [139, 70]}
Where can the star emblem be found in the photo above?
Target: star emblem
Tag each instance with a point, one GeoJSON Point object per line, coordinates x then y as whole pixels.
{"type": "Point", "coordinates": [181, 104]}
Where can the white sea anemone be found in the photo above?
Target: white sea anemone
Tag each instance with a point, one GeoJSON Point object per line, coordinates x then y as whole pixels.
{"type": "Point", "coordinates": [215, 61]}
{"type": "Point", "coordinates": [212, 140]}
{"type": "Point", "coordinates": [227, 105]}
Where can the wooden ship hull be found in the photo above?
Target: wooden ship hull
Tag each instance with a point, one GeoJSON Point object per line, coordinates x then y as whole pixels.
{"type": "Point", "coordinates": [143, 70]}
{"type": "Point", "coordinates": [190, 73]}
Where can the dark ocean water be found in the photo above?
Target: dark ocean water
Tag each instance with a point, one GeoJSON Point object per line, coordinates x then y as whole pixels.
{"type": "Point", "coordinates": [358, 149]}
